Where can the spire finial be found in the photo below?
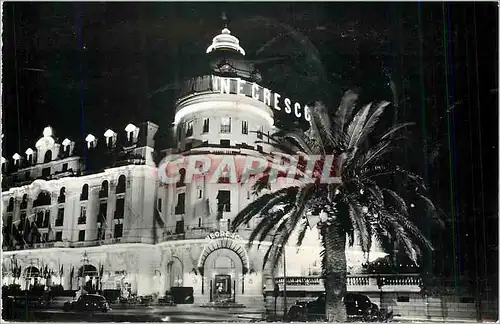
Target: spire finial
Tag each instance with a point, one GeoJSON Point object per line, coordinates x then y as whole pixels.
{"type": "Point", "coordinates": [224, 19]}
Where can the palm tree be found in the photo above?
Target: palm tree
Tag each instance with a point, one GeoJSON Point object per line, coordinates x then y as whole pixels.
{"type": "Point", "coordinates": [362, 204]}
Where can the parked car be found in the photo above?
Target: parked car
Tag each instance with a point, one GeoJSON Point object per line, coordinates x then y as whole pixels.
{"type": "Point", "coordinates": [89, 302]}
{"type": "Point", "coordinates": [358, 307]}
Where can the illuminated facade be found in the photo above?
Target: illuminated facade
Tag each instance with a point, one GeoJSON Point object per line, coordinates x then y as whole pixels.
{"type": "Point", "coordinates": [119, 227]}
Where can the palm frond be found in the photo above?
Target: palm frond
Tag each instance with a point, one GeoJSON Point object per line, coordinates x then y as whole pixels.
{"type": "Point", "coordinates": [394, 129]}
{"type": "Point", "coordinates": [355, 128]}
{"type": "Point", "coordinates": [373, 119]}
{"type": "Point", "coordinates": [258, 205]}
{"type": "Point", "coordinates": [400, 203]}
{"type": "Point", "coordinates": [434, 210]}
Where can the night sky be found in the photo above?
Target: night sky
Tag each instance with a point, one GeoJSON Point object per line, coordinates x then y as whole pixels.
{"type": "Point", "coordinates": [83, 68]}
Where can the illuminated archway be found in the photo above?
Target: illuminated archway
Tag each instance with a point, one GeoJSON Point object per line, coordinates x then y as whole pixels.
{"type": "Point", "coordinates": [223, 243]}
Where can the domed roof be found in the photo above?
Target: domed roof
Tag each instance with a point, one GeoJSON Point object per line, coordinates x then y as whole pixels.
{"type": "Point", "coordinates": [226, 41]}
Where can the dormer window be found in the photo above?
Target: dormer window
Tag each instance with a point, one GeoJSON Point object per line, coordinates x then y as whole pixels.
{"type": "Point", "coordinates": [91, 141]}
{"type": "Point", "coordinates": [48, 156]}
{"type": "Point", "coordinates": [29, 155]}
{"type": "Point", "coordinates": [110, 138]}
{"type": "Point", "coordinates": [16, 158]}
{"type": "Point", "coordinates": [132, 132]}
{"type": "Point", "coordinates": [67, 146]}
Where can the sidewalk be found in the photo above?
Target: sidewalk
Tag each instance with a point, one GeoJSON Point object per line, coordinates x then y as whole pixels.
{"type": "Point", "coordinates": [435, 320]}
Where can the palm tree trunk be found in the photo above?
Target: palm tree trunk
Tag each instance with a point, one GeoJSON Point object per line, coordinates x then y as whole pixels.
{"type": "Point", "coordinates": [335, 265]}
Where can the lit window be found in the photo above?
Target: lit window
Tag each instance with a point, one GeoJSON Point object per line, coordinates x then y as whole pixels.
{"type": "Point", "coordinates": [225, 125]}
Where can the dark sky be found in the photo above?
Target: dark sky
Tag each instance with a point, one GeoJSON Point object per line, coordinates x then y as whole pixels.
{"type": "Point", "coordinates": [86, 67]}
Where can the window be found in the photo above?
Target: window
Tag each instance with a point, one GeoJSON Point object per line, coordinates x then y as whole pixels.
{"type": "Point", "coordinates": [103, 212]}
{"type": "Point", "coordinates": [206, 125]}
{"type": "Point", "coordinates": [200, 193]}
{"type": "Point", "coordinates": [60, 217]}
{"type": "Point", "coordinates": [179, 227]}
{"type": "Point", "coordinates": [10, 207]}
{"type": "Point", "coordinates": [130, 137]}
{"type": "Point", "coordinates": [244, 127]}
{"type": "Point", "coordinates": [62, 196]}
{"type": "Point", "coordinates": [189, 129]}
{"type": "Point", "coordinates": [199, 222]}
{"type": "Point", "coordinates": [39, 219]}
{"type": "Point", "coordinates": [65, 167]}
{"type": "Point", "coordinates": [403, 299]}
{"type": "Point", "coordinates": [225, 143]}
{"type": "Point", "coordinates": [85, 192]}
{"type": "Point", "coordinates": [22, 221]}
{"type": "Point", "coordinates": [118, 232]}
{"type": "Point", "coordinates": [66, 150]}
{"type": "Point", "coordinates": [259, 148]}
{"type": "Point", "coordinates": [182, 178]}
{"type": "Point", "coordinates": [81, 236]}
{"type": "Point", "coordinates": [45, 237]}
{"type": "Point", "coordinates": [48, 156]}
{"type": "Point", "coordinates": [46, 219]}
{"type": "Point", "coordinates": [59, 236]}
{"type": "Point", "coordinates": [120, 208]}
{"type": "Point", "coordinates": [83, 215]}
{"type": "Point", "coordinates": [103, 192]}
{"type": "Point", "coordinates": [224, 201]}
{"type": "Point", "coordinates": [259, 133]}
{"type": "Point", "coordinates": [46, 172]}
{"type": "Point", "coordinates": [225, 125]}
{"type": "Point", "coordinates": [159, 204]}
{"type": "Point", "coordinates": [181, 204]}
{"type": "Point", "coordinates": [120, 187]}
{"type": "Point", "coordinates": [24, 203]}
{"type": "Point", "coordinates": [100, 232]}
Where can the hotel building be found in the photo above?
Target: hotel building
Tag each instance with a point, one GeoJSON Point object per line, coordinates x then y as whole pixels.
{"type": "Point", "coordinates": [95, 213]}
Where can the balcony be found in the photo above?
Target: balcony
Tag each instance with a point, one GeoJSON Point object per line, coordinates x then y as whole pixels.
{"type": "Point", "coordinates": [58, 244]}
{"type": "Point", "coordinates": [357, 283]}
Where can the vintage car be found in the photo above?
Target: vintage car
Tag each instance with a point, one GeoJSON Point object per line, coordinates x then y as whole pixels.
{"type": "Point", "coordinates": [358, 307]}
{"type": "Point", "coordinates": [88, 303]}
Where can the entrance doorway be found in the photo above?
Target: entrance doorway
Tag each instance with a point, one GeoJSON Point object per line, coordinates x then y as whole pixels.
{"type": "Point", "coordinates": [222, 288]}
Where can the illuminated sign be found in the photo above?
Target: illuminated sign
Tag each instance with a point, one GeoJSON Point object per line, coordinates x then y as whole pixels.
{"type": "Point", "coordinates": [223, 234]}
{"type": "Point", "coordinates": [249, 89]}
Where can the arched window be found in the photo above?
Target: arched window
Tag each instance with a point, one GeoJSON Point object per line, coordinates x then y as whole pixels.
{"type": "Point", "coordinates": [103, 193]}
{"type": "Point", "coordinates": [48, 156]}
{"type": "Point", "coordinates": [182, 178]}
{"type": "Point", "coordinates": [85, 192]}
{"type": "Point", "coordinates": [62, 195]}
{"type": "Point", "coordinates": [120, 187]}
{"type": "Point", "coordinates": [10, 207]}
{"type": "Point", "coordinates": [24, 202]}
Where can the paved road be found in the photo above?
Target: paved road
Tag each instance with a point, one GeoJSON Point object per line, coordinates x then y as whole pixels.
{"type": "Point", "coordinates": [179, 313]}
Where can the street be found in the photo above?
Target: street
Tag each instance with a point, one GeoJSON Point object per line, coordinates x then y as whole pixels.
{"type": "Point", "coordinates": [179, 313]}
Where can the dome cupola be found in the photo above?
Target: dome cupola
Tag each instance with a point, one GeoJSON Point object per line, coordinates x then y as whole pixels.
{"type": "Point", "coordinates": [226, 41]}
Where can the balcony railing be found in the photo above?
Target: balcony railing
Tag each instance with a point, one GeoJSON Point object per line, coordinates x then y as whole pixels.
{"type": "Point", "coordinates": [359, 283]}
{"type": "Point", "coordinates": [59, 244]}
